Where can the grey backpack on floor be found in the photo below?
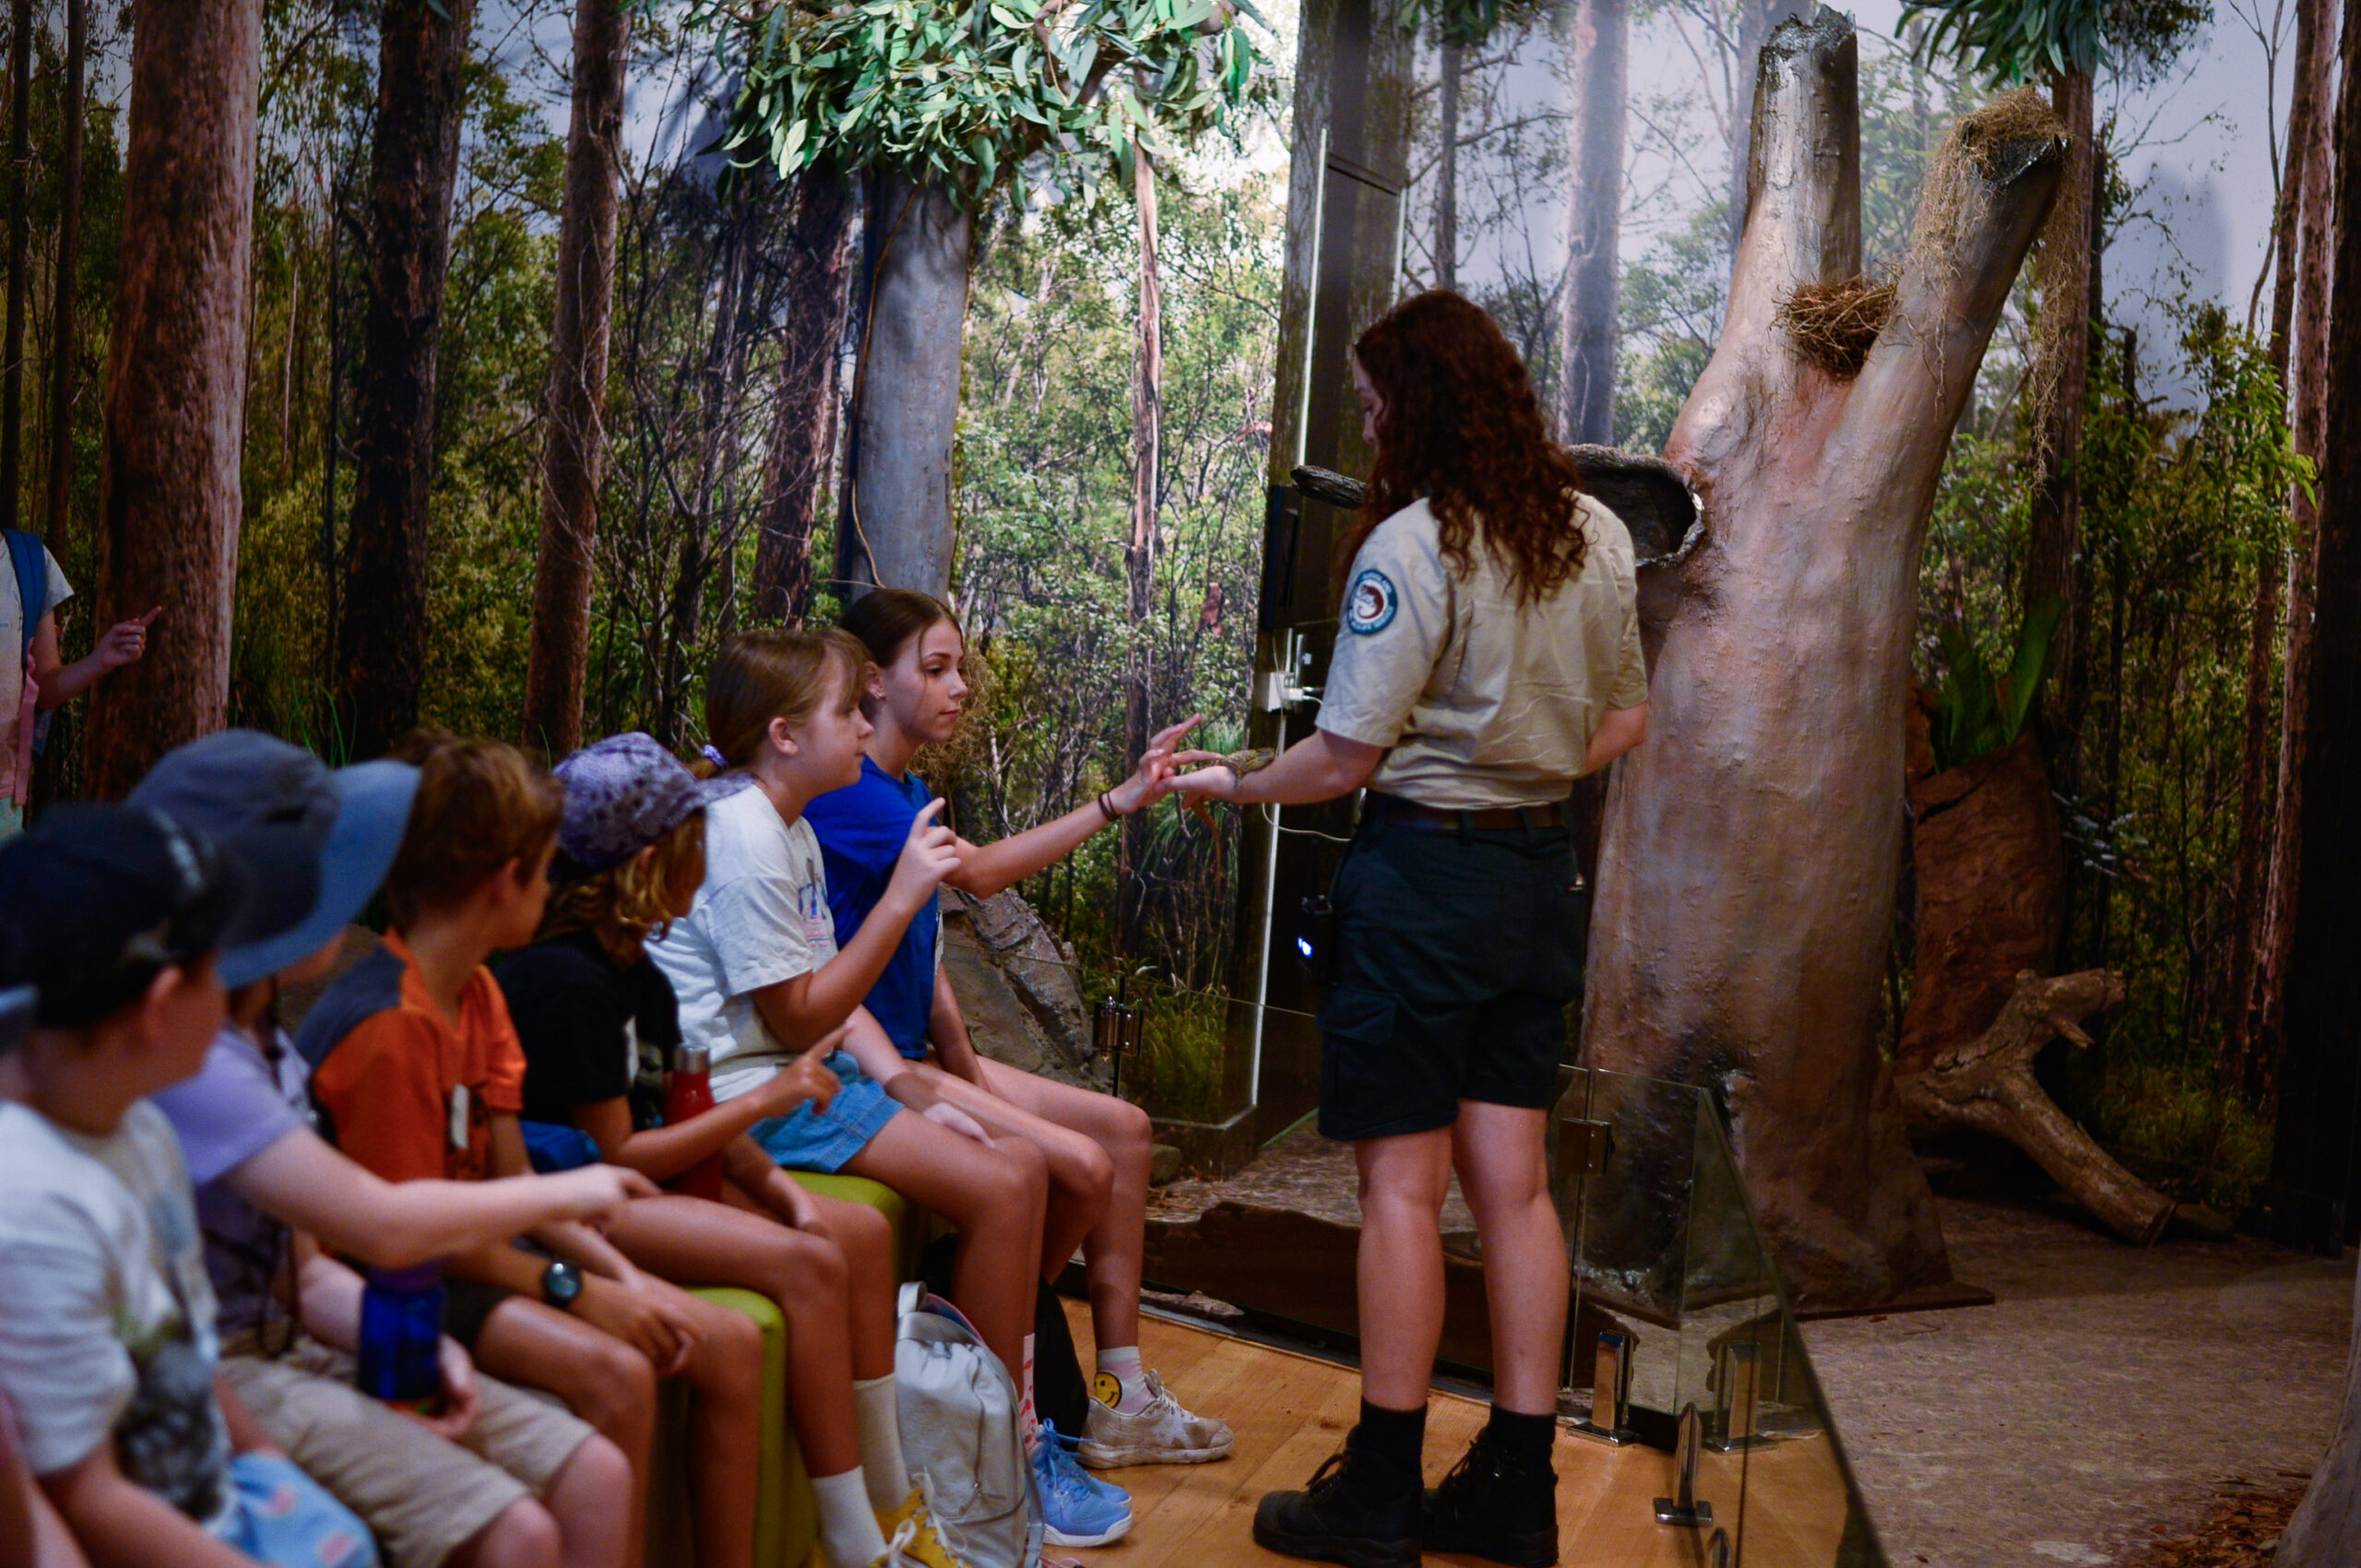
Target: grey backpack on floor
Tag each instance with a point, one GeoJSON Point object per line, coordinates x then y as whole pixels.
{"type": "Point", "coordinates": [959, 1426]}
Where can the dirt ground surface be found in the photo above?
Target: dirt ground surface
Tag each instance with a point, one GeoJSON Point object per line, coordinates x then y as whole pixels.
{"type": "Point", "coordinates": [2112, 1397]}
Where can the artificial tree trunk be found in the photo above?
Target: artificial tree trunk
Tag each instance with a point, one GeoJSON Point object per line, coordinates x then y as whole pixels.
{"type": "Point", "coordinates": [1602, 46]}
{"type": "Point", "coordinates": [897, 531]}
{"type": "Point", "coordinates": [12, 341]}
{"type": "Point", "coordinates": [1756, 19]}
{"type": "Point", "coordinates": [2308, 356]}
{"type": "Point", "coordinates": [573, 447]}
{"type": "Point", "coordinates": [413, 163]}
{"type": "Point", "coordinates": [2314, 1153]}
{"type": "Point", "coordinates": [176, 381]}
{"type": "Point", "coordinates": [1753, 844]}
{"type": "Point", "coordinates": [1139, 556]}
{"type": "Point", "coordinates": [803, 423]}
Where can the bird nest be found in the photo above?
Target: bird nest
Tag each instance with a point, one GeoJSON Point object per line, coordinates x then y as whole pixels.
{"type": "Point", "coordinates": [1833, 325]}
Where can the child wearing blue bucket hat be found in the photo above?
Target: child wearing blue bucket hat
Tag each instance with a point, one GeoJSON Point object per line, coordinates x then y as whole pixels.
{"type": "Point", "coordinates": [498, 1474]}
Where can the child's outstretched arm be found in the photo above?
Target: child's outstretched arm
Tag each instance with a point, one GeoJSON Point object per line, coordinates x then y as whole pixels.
{"type": "Point", "coordinates": [799, 1010]}
{"type": "Point", "coordinates": [987, 868]}
{"type": "Point", "coordinates": [661, 1153]}
{"type": "Point", "coordinates": [123, 1525]}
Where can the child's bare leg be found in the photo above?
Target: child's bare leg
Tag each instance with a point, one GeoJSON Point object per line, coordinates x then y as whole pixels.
{"type": "Point", "coordinates": [871, 1279]}
{"type": "Point", "coordinates": [1081, 1174]}
{"type": "Point", "coordinates": [690, 1241]}
{"type": "Point", "coordinates": [725, 1430]}
{"type": "Point", "coordinates": [995, 1197]}
{"type": "Point", "coordinates": [521, 1535]}
{"type": "Point", "coordinates": [603, 1380]}
{"type": "Point", "coordinates": [590, 1498]}
{"type": "Point", "coordinates": [1115, 1250]}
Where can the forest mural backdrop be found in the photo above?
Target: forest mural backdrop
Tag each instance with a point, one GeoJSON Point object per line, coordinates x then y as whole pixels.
{"type": "Point", "coordinates": [2115, 585]}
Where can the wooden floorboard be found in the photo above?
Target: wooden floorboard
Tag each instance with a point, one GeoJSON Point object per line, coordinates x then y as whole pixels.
{"type": "Point", "coordinates": [1289, 1411]}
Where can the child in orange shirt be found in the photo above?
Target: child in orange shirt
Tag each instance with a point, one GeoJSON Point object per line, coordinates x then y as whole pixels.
{"type": "Point", "coordinates": [416, 1071]}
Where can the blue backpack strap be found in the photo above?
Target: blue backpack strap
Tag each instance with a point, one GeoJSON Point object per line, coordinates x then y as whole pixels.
{"type": "Point", "coordinates": [31, 564]}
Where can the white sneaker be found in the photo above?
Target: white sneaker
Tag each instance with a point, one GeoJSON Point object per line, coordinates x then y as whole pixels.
{"type": "Point", "coordinates": [1163, 1434]}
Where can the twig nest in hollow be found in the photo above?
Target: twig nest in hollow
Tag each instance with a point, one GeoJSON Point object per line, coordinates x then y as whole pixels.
{"type": "Point", "coordinates": [1833, 325]}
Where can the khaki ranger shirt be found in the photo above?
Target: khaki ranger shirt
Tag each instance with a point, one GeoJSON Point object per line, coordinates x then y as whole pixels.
{"type": "Point", "coordinates": [1480, 701]}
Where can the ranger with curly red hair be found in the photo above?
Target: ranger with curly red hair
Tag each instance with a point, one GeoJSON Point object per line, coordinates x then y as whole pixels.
{"type": "Point", "coordinates": [1488, 655]}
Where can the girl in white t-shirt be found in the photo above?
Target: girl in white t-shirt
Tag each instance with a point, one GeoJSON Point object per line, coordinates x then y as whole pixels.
{"type": "Point", "coordinates": [760, 980]}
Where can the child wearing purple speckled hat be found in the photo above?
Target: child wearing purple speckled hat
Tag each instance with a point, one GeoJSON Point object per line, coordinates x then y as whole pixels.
{"type": "Point", "coordinates": [599, 1021]}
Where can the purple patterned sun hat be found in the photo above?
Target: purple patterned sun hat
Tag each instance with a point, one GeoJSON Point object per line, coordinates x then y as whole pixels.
{"type": "Point", "coordinates": [622, 794]}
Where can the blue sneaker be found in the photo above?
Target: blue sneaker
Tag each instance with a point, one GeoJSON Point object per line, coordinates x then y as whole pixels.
{"type": "Point", "coordinates": [1078, 1508]}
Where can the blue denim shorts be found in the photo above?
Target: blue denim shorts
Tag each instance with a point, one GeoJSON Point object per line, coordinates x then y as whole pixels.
{"type": "Point", "coordinates": [809, 1138]}
{"type": "Point", "coordinates": [282, 1517]}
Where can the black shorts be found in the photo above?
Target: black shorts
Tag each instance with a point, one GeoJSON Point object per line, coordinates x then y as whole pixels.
{"type": "Point", "coordinates": [1458, 952]}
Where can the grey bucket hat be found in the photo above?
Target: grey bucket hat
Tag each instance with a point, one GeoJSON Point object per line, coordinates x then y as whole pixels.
{"type": "Point", "coordinates": [353, 818]}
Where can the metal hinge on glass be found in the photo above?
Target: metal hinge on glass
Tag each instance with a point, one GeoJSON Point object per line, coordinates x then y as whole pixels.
{"type": "Point", "coordinates": [1583, 1147]}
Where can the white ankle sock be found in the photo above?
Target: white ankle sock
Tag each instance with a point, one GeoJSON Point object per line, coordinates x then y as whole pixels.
{"type": "Point", "coordinates": [1122, 1364]}
{"type": "Point", "coordinates": [848, 1533]}
{"type": "Point", "coordinates": [878, 1415]}
{"type": "Point", "coordinates": [1030, 1419]}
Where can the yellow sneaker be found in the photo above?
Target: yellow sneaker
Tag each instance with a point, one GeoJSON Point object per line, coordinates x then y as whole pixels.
{"type": "Point", "coordinates": [910, 1531]}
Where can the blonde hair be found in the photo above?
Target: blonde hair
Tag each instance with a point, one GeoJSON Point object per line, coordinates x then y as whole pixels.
{"type": "Point", "coordinates": [773, 674]}
{"type": "Point", "coordinates": [628, 903]}
{"type": "Point", "coordinates": [480, 807]}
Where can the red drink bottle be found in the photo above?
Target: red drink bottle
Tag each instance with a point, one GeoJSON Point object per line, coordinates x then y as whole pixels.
{"type": "Point", "coordinates": [688, 1091]}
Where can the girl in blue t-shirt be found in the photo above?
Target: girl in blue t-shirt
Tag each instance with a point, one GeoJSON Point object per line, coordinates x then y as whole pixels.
{"type": "Point", "coordinates": [1096, 1145]}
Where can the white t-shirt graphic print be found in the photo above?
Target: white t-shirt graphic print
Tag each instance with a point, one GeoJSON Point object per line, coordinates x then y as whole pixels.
{"type": "Point", "coordinates": [760, 917]}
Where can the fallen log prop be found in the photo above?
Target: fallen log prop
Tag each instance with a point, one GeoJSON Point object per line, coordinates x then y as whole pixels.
{"type": "Point", "coordinates": [1987, 1084]}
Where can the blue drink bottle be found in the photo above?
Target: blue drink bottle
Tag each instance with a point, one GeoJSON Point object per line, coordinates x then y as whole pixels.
{"type": "Point", "coordinates": [401, 1334]}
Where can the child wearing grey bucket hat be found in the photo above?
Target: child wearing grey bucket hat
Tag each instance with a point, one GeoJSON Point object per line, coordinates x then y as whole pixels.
{"type": "Point", "coordinates": [270, 1191]}
{"type": "Point", "coordinates": [598, 1020]}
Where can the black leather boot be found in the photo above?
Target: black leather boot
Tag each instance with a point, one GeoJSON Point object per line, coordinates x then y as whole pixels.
{"type": "Point", "coordinates": [1495, 1504]}
{"type": "Point", "coordinates": [1360, 1509]}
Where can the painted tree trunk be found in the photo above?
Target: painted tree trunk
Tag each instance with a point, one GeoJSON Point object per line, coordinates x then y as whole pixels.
{"type": "Point", "coordinates": [176, 381]}
{"type": "Point", "coordinates": [1991, 880]}
{"type": "Point", "coordinates": [57, 514]}
{"type": "Point", "coordinates": [897, 530]}
{"type": "Point", "coordinates": [1753, 844]}
{"type": "Point", "coordinates": [413, 163]}
{"type": "Point", "coordinates": [1595, 221]}
{"type": "Point", "coordinates": [2313, 1154]}
{"type": "Point", "coordinates": [2061, 377]}
{"type": "Point", "coordinates": [1452, 66]}
{"type": "Point", "coordinates": [804, 428]}
{"type": "Point", "coordinates": [573, 447]}
{"type": "Point", "coordinates": [2326, 1529]}
{"type": "Point", "coordinates": [1139, 557]}
{"type": "Point", "coordinates": [12, 340]}
{"type": "Point", "coordinates": [2307, 352]}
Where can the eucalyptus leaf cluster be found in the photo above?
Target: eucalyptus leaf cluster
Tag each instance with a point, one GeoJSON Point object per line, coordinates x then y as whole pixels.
{"type": "Point", "coordinates": [2010, 41]}
{"type": "Point", "coordinates": [969, 92]}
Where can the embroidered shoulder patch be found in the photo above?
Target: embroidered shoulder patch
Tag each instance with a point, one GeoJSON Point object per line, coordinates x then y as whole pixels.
{"type": "Point", "coordinates": [1369, 603]}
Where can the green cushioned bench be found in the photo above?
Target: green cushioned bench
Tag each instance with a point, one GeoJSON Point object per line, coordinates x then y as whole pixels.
{"type": "Point", "coordinates": [787, 1522]}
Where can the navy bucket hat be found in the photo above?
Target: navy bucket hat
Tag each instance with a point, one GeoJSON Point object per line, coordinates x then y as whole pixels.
{"type": "Point", "coordinates": [353, 818]}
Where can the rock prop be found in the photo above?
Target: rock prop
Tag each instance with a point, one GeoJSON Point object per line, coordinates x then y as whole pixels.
{"type": "Point", "coordinates": [1018, 988]}
{"type": "Point", "coordinates": [1987, 1084]}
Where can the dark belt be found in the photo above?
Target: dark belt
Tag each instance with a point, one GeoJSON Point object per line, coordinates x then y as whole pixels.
{"type": "Point", "coordinates": [1397, 812]}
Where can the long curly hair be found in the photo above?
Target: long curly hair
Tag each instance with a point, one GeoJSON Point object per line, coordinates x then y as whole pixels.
{"type": "Point", "coordinates": [1461, 426]}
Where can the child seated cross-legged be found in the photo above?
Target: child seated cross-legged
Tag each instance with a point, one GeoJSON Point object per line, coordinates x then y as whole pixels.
{"type": "Point", "coordinates": [416, 1074]}
{"type": "Point", "coordinates": [1097, 1145]}
{"type": "Point", "coordinates": [759, 978]}
{"type": "Point", "coordinates": [108, 1350]}
{"type": "Point", "coordinates": [598, 1025]}
{"type": "Point", "coordinates": [498, 1477]}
